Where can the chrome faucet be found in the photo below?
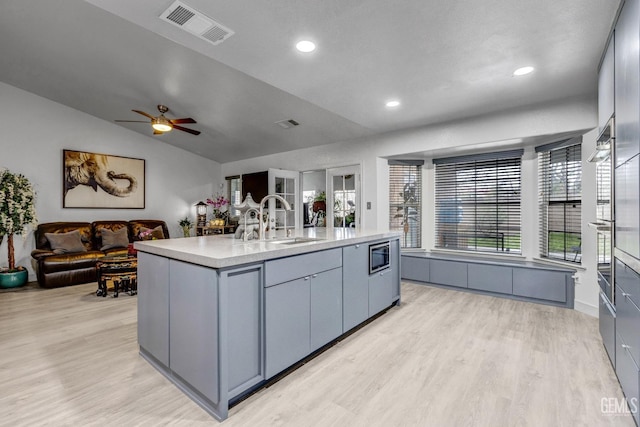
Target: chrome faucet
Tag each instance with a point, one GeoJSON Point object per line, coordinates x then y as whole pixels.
{"type": "Point", "coordinates": [285, 204]}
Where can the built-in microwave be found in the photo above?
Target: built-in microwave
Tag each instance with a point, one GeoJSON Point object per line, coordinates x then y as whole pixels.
{"type": "Point", "coordinates": [379, 257]}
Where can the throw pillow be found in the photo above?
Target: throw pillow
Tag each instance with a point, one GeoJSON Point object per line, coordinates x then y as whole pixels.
{"type": "Point", "coordinates": [63, 243]}
{"type": "Point", "coordinates": [156, 233]}
{"type": "Point", "coordinates": [114, 239]}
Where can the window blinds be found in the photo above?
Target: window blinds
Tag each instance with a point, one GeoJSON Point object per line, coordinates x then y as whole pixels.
{"type": "Point", "coordinates": [478, 202]}
{"type": "Point", "coordinates": [405, 201]}
{"type": "Point", "coordinates": [560, 202]}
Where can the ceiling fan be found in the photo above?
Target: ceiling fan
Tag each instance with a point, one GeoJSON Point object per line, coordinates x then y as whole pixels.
{"type": "Point", "coordinates": [161, 124]}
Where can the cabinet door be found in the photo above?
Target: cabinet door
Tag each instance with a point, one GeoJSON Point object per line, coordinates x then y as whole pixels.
{"type": "Point", "coordinates": [244, 311]}
{"type": "Point", "coordinates": [355, 278]}
{"type": "Point", "coordinates": [153, 306]}
{"type": "Point", "coordinates": [193, 326]}
{"type": "Point", "coordinates": [415, 268]}
{"type": "Point", "coordinates": [452, 273]}
{"type": "Point", "coordinates": [287, 315]}
{"type": "Point", "coordinates": [607, 323]}
{"type": "Point", "coordinates": [380, 291]}
{"type": "Point", "coordinates": [540, 284]}
{"type": "Point", "coordinates": [395, 269]}
{"type": "Point", "coordinates": [627, 83]}
{"type": "Point", "coordinates": [492, 278]}
{"type": "Point", "coordinates": [606, 86]}
{"type": "Point", "coordinates": [326, 307]}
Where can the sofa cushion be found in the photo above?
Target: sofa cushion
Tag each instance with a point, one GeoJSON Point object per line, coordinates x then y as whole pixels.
{"type": "Point", "coordinates": [114, 239]}
{"type": "Point", "coordinates": [136, 225]}
{"type": "Point", "coordinates": [155, 233]}
{"type": "Point", "coordinates": [86, 233]}
{"type": "Point", "coordinates": [70, 262]}
{"type": "Point", "coordinates": [63, 243]}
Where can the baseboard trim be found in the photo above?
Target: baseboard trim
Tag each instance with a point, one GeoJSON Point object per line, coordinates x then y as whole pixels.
{"type": "Point", "coordinates": [585, 308]}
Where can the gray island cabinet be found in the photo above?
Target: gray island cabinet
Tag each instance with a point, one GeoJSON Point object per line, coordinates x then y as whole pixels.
{"type": "Point", "coordinates": [220, 317]}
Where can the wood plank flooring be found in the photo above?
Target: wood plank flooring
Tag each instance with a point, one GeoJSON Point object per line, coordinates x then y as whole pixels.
{"type": "Point", "coordinates": [443, 358]}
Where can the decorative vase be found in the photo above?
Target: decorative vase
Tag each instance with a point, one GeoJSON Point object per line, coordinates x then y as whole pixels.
{"type": "Point", "coordinates": [13, 279]}
{"type": "Point", "coordinates": [185, 231]}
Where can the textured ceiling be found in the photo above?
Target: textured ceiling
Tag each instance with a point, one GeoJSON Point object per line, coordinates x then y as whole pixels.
{"type": "Point", "coordinates": [444, 60]}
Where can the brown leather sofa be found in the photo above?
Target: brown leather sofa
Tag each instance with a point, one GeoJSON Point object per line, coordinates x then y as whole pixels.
{"type": "Point", "coordinates": [54, 269]}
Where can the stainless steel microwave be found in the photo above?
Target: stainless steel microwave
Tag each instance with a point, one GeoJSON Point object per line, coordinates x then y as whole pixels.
{"type": "Point", "coordinates": [379, 256]}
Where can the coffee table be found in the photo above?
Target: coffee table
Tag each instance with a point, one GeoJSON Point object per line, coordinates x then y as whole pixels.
{"type": "Point", "coordinates": [121, 271]}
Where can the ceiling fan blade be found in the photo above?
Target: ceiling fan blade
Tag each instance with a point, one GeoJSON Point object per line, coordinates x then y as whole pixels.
{"type": "Point", "coordinates": [191, 131]}
{"type": "Point", "coordinates": [132, 121]}
{"type": "Point", "coordinates": [180, 121]}
{"type": "Point", "coordinates": [144, 114]}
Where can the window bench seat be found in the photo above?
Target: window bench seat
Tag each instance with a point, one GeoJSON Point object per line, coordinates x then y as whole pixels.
{"type": "Point", "coordinates": [523, 280]}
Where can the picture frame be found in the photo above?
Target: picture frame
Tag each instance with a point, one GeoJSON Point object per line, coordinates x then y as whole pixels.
{"type": "Point", "coordinates": [102, 181]}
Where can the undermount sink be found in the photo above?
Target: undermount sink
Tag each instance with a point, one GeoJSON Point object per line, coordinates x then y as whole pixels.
{"type": "Point", "coordinates": [297, 240]}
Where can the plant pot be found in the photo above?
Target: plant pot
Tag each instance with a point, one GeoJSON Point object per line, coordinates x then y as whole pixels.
{"type": "Point", "coordinates": [13, 279]}
{"type": "Point", "coordinates": [185, 231]}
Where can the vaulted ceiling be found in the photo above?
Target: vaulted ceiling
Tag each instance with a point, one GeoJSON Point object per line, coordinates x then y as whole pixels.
{"type": "Point", "coordinates": [443, 60]}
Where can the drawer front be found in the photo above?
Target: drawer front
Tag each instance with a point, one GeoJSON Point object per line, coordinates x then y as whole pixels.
{"type": "Point", "coordinates": [607, 319]}
{"type": "Point", "coordinates": [628, 279]}
{"type": "Point", "coordinates": [491, 278]}
{"type": "Point", "coordinates": [452, 273]}
{"type": "Point", "coordinates": [415, 268]}
{"type": "Point", "coordinates": [628, 322]}
{"type": "Point", "coordinates": [540, 284]}
{"type": "Point", "coordinates": [297, 266]}
{"type": "Point", "coordinates": [627, 372]}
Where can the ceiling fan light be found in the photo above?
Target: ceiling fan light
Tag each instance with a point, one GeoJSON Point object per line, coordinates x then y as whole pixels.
{"type": "Point", "coordinates": [161, 124]}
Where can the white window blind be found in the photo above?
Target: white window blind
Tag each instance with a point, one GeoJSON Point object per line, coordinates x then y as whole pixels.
{"type": "Point", "coordinates": [560, 201]}
{"type": "Point", "coordinates": [405, 201]}
{"type": "Point", "coordinates": [478, 202]}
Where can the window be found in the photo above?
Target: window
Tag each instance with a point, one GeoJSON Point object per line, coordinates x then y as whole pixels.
{"type": "Point", "coordinates": [478, 202]}
{"type": "Point", "coordinates": [405, 201]}
{"type": "Point", "coordinates": [560, 200]}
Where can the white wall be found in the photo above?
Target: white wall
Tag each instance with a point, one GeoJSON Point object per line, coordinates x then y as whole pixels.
{"type": "Point", "coordinates": [458, 138]}
{"type": "Point", "coordinates": [36, 130]}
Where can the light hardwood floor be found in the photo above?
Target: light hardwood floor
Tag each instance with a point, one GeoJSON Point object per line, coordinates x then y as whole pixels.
{"type": "Point", "coordinates": [443, 358]}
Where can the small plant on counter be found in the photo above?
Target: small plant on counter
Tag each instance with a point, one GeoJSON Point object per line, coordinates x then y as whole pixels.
{"type": "Point", "coordinates": [186, 225]}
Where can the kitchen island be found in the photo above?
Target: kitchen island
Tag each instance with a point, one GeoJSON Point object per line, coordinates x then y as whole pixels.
{"type": "Point", "coordinates": [219, 317]}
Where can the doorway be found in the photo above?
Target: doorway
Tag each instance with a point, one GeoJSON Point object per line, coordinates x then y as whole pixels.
{"type": "Point", "coordinates": [343, 197]}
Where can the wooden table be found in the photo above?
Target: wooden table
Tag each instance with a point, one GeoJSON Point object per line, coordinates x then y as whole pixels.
{"type": "Point", "coordinates": [212, 229]}
{"type": "Point", "coordinates": [120, 271]}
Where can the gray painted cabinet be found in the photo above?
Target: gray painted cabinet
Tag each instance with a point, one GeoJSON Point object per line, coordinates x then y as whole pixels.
{"type": "Point", "coordinates": [606, 86]}
{"type": "Point", "coordinates": [492, 278]}
{"type": "Point", "coordinates": [153, 306]}
{"type": "Point", "coordinates": [607, 325]}
{"type": "Point", "coordinates": [627, 82]}
{"type": "Point", "coordinates": [414, 268]}
{"type": "Point", "coordinates": [244, 290]}
{"type": "Point", "coordinates": [540, 284]}
{"type": "Point", "coordinates": [452, 273]}
{"type": "Point", "coordinates": [193, 326]}
{"type": "Point", "coordinates": [326, 307]}
{"type": "Point", "coordinates": [380, 291]}
{"type": "Point", "coordinates": [355, 282]}
{"type": "Point", "coordinates": [287, 314]}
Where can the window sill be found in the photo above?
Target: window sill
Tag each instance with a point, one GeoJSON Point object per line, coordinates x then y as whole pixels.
{"type": "Point", "coordinates": [572, 265]}
{"type": "Point", "coordinates": [477, 255]}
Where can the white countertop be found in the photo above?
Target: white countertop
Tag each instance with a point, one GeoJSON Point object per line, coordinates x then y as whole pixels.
{"type": "Point", "coordinates": [224, 250]}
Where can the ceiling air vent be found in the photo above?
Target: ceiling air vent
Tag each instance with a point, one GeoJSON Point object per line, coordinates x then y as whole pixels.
{"type": "Point", "coordinates": [196, 23]}
{"type": "Point", "coordinates": [287, 124]}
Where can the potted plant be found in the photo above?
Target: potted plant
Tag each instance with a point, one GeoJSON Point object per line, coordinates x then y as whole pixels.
{"type": "Point", "coordinates": [186, 225]}
{"type": "Point", "coordinates": [320, 202]}
{"type": "Point", "coordinates": [17, 214]}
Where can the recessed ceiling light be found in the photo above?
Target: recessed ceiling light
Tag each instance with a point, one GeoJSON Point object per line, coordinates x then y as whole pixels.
{"type": "Point", "coordinates": [522, 71]}
{"type": "Point", "coordinates": [306, 46]}
{"type": "Point", "coordinates": [393, 103]}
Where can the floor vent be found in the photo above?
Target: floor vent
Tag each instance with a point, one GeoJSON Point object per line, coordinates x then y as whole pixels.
{"type": "Point", "coordinates": [287, 124]}
{"type": "Point", "coordinates": [196, 23]}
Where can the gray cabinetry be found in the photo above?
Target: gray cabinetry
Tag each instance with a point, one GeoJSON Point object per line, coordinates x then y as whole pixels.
{"type": "Point", "coordinates": [287, 314]}
{"type": "Point", "coordinates": [153, 306]}
{"type": "Point", "coordinates": [540, 284]}
{"type": "Point", "coordinates": [244, 291]}
{"type": "Point", "coordinates": [606, 86]}
{"type": "Point", "coordinates": [193, 327]}
{"type": "Point", "coordinates": [380, 291]}
{"type": "Point", "coordinates": [492, 278]}
{"type": "Point", "coordinates": [627, 82]}
{"type": "Point", "coordinates": [525, 280]}
{"type": "Point", "coordinates": [452, 273]}
{"type": "Point", "coordinates": [627, 372]}
{"type": "Point", "coordinates": [355, 283]}
{"type": "Point", "coordinates": [326, 307]}
{"type": "Point", "coordinates": [607, 320]}
{"type": "Point", "coordinates": [415, 268]}
{"type": "Point", "coordinates": [627, 204]}
{"type": "Point", "coordinates": [395, 269]}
